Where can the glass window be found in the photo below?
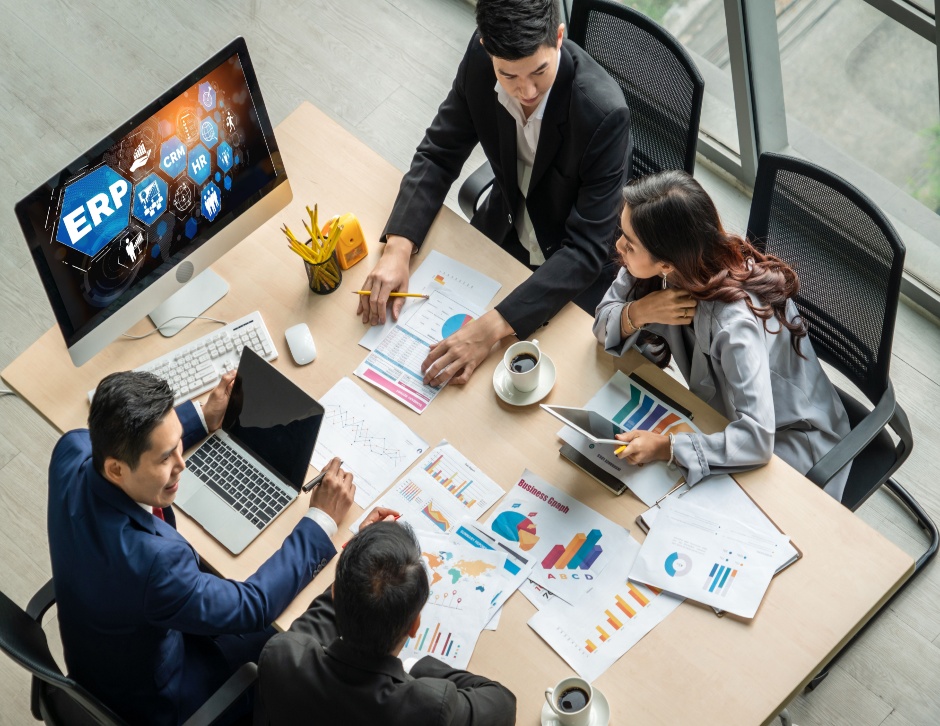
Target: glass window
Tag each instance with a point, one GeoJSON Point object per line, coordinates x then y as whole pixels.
{"type": "Point", "coordinates": [867, 86]}
{"type": "Point", "coordinates": [701, 28]}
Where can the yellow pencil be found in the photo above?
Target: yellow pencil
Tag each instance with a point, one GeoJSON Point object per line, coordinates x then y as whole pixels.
{"type": "Point", "coordinates": [393, 294]}
{"type": "Point", "coordinates": [620, 448]}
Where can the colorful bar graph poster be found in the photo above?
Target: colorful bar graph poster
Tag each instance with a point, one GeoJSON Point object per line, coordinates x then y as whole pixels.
{"type": "Point", "coordinates": [569, 542]}
{"type": "Point", "coordinates": [709, 557]}
{"type": "Point", "coordinates": [443, 488]}
{"type": "Point", "coordinates": [464, 582]}
{"type": "Point", "coordinates": [613, 617]}
{"type": "Point", "coordinates": [626, 403]}
{"type": "Point", "coordinates": [373, 444]}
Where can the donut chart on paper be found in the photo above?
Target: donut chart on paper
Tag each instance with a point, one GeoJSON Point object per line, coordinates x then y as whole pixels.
{"type": "Point", "coordinates": [678, 565]}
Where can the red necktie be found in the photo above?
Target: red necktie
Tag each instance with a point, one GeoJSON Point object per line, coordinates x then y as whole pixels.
{"type": "Point", "coordinates": [158, 513]}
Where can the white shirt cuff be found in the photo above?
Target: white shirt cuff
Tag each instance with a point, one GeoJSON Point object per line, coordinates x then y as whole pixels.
{"type": "Point", "coordinates": [201, 415]}
{"type": "Point", "coordinates": [324, 520]}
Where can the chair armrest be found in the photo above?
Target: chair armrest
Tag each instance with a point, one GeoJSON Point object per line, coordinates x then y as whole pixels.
{"type": "Point", "coordinates": [472, 189]}
{"type": "Point", "coordinates": [856, 440]}
{"type": "Point", "coordinates": [219, 702]}
{"type": "Point", "coordinates": [41, 601]}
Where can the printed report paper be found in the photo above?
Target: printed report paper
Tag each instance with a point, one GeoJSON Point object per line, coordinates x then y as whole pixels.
{"type": "Point", "coordinates": [613, 617]}
{"type": "Point", "coordinates": [708, 557]}
{"type": "Point", "coordinates": [442, 489]}
{"type": "Point", "coordinates": [438, 273]}
{"type": "Point", "coordinates": [395, 365]}
{"type": "Point", "coordinates": [372, 443]}
{"type": "Point", "coordinates": [569, 542]}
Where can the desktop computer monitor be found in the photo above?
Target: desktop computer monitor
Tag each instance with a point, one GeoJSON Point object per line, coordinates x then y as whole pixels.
{"type": "Point", "coordinates": [119, 233]}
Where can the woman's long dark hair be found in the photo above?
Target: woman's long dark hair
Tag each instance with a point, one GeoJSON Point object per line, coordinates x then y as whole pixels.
{"type": "Point", "coordinates": [677, 222]}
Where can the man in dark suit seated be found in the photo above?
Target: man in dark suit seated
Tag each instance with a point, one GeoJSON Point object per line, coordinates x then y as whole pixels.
{"type": "Point", "coordinates": [143, 627]}
{"type": "Point", "coordinates": [556, 131]}
{"type": "Point", "coordinates": [338, 662]}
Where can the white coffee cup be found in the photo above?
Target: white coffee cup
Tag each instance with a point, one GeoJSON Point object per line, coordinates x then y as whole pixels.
{"type": "Point", "coordinates": [527, 380]}
{"type": "Point", "coordinates": [556, 699]}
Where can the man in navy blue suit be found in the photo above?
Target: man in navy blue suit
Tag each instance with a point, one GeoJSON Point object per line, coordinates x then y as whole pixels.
{"type": "Point", "coordinates": [143, 627]}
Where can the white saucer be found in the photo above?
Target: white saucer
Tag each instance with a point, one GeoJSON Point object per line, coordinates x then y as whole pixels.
{"type": "Point", "coordinates": [512, 395]}
{"type": "Point", "coordinates": [600, 711]}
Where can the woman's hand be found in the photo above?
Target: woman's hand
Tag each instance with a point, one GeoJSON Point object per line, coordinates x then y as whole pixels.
{"type": "Point", "coordinates": [643, 447]}
{"type": "Point", "coordinates": [667, 307]}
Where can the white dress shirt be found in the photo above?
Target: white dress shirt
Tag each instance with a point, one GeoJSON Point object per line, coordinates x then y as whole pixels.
{"type": "Point", "coordinates": [528, 131]}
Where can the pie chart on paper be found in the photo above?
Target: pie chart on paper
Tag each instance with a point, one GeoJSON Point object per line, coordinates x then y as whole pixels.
{"type": "Point", "coordinates": [454, 323]}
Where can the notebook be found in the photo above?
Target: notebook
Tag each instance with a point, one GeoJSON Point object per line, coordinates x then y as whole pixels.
{"type": "Point", "coordinates": [248, 472]}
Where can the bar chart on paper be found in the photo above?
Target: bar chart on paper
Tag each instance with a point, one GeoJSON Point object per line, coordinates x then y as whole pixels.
{"type": "Point", "coordinates": [580, 553]}
{"type": "Point", "coordinates": [592, 634]}
{"type": "Point", "coordinates": [461, 479]}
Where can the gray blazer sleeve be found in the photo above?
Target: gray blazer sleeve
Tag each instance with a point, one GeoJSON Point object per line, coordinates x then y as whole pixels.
{"type": "Point", "coordinates": [473, 700]}
{"type": "Point", "coordinates": [607, 316]}
{"type": "Point", "coordinates": [738, 347]}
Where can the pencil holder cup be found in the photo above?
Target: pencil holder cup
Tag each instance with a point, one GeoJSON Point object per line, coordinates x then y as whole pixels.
{"type": "Point", "coordinates": [326, 276]}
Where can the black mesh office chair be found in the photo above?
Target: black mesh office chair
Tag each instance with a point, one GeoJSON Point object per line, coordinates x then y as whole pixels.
{"type": "Point", "coordinates": [660, 82]}
{"type": "Point", "coordinates": [58, 700]}
{"type": "Point", "coordinates": [849, 259]}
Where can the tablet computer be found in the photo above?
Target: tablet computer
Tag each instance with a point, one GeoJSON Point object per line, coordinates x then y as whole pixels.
{"type": "Point", "coordinates": [591, 424]}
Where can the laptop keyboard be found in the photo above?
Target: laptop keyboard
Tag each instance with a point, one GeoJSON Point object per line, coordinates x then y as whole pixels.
{"type": "Point", "coordinates": [230, 475]}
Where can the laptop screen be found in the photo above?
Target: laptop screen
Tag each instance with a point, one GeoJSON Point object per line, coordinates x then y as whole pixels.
{"type": "Point", "coordinates": [272, 418]}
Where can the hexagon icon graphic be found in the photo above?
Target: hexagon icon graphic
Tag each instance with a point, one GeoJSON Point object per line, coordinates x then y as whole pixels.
{"type": "Point", "coordinates": [211, 201]}
{"type": "Point", "coordinates": [172, 157]}
{"type": "Point", "coordinates": [183, 195]}
{"type": "Point", "coordinates": [199, 164]}
{"type": "Point", "coordinates": [224, 156]}
{"type": "Point", "coordinates": [150, 199]}
{"type": "Point", "coordinates": [208, 132]}
{"type": "Point", "coordinates": [207, 96]}
{"type": "Point", "coordinates": [95, 209]}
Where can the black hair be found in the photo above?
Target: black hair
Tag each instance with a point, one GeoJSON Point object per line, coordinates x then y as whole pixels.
{"type": "Point", "coordinates": [515, 29]}
{"type": "Point", "coordinates": [677, 222]}
{"type": "Point", "coordinates": [127, 407]}
{"type": "Point", "coordinates": [381, 585]}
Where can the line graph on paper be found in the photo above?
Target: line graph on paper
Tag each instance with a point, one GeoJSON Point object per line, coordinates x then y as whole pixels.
{"type": "Point", "coordinates": [359, 436]}
{"type": "Point", "coordinates": [372, 443]}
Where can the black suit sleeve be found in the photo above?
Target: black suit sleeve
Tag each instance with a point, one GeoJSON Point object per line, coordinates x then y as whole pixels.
{"type": "Point", "coordinates": [589, 231]}
{"type": "Point", "coordinates": [319, 620]}
{"type": "Point", "coordinates": [436, 164]}
{"type": "Point", "coordinates": [474, 700]}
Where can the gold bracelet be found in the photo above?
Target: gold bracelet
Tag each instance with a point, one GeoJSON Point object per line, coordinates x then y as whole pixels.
{"type": "Point", "coordinates": [626, 314]}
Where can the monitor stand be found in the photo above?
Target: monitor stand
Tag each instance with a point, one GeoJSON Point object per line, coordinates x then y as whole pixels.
{"type": "Point", "coordinates": [197, 296]}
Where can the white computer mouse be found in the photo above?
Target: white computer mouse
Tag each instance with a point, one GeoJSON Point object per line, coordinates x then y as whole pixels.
{"type": "Point", "coordinates": [301, 345]}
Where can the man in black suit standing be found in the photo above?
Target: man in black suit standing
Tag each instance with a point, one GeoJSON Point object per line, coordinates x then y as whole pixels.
{"type": "Point", "coordinates": [556, 130]}
{"type": "Point", "coordinates": [338, 662]}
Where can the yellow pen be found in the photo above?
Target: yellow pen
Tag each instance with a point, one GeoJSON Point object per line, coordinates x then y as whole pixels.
{"type": "Point", "coordinates": [393, 294]}
{"type": "Point", "coordinates": [620, 449]}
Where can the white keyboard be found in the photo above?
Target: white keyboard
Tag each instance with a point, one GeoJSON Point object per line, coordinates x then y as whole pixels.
{"type": "Point", "coordinates": [197, 367]}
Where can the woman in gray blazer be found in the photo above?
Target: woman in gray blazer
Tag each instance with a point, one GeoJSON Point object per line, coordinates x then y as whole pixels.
{"type": "Point", "coordinates": [722, 311]}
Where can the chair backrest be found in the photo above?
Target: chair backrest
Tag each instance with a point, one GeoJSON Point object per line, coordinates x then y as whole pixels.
{"type": "Point", "coordinates": [660, 82]}
{"type": "Point", "coordinates": [23, 639]}
{"type": "Point", "coordinates": [848, 257]}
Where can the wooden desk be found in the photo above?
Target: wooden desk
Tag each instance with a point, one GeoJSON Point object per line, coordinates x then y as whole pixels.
{"type": "Point", "coordinates": [694, 667]}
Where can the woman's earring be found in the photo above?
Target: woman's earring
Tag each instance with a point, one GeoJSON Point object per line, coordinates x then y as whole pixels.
{"type": "Point", "coordinates": [664, 280]}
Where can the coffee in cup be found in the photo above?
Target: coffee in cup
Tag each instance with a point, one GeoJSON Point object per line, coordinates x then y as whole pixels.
{"type": "Point", "coordinates": [522, 360]}
{"type": "Point", "coordinates": [570, 700]}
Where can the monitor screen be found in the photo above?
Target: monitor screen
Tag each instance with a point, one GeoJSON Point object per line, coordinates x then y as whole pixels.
{"type": "Point", "coordinates": [151, 194]}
